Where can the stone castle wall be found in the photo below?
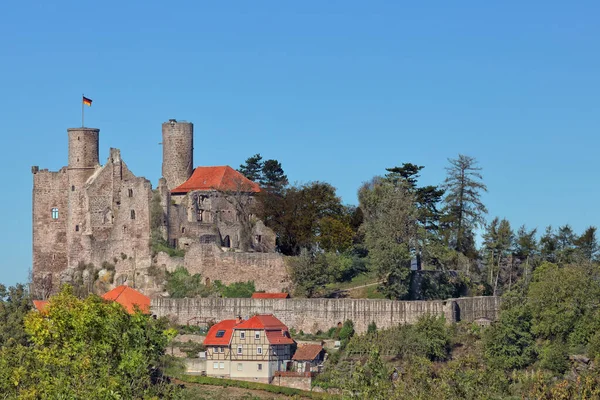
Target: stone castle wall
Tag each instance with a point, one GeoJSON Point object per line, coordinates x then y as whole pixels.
{"type": "Point", "coordinates": [311, 315]}
{"type": "Point", "coordinates": [50, 191]}
{"type": "Point", "coordinates": [267, 270]}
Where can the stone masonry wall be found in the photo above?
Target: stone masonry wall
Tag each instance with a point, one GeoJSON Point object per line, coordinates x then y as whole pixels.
{"type": "Point", "coordinates": [49, 234]}
{"type": "Point", "coordinates": [267, 270]}
{"type": "Point", "coordinates": [311, 315]}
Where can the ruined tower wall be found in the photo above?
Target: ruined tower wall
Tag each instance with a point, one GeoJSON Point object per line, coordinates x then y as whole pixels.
{"type": "Point", "coordinates": [83, 161]}
{"type": "Point", "coordinates": [50, 191]}
{"type": "Point", "coordinates": [178, 152]}
{"type": "Point", "coordinates": [119, 215]}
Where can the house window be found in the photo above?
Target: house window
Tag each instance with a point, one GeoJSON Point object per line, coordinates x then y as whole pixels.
{"type": "Point", "coordinates": [220, 333]}
{"type": "Point", "coordinates": [222, 365]}
{"type": "Point", "coordinates": [259, 367]}
{"type": "Point", "coordinates": [216, 365]}
{"type": "Point", "coordinates": [242, 335]}
{"type": "Point", "coordinates": [76, 228]}
{"type": "Point", "coordinates": [257, 335]}
{"type": "Point", "coordinates": [221, 350]}
{"type": "Point", "coordinates": [72, 188]}
{"type": "Point", "coordinates": [130, 192]}
{"type": "Point", "coordinates": [55, 213]}
{"type": "Point", "coordinates": [132, 214]}
{"type": "Point", "coordinates": [239, 350]}
{"type": "Point", "coordinates": [259, 350]}
{"type": "Point", "coordinates": [240, 366]}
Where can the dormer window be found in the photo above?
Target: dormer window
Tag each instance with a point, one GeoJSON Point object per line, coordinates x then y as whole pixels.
{"type": "Point", "coordinates": [220, 334]}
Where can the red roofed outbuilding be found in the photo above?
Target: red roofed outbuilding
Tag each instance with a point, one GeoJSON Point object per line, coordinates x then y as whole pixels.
{"type": "Point", "coordinates": [129, 298]}
{"type": "Point", "coordinates": [260, 295]}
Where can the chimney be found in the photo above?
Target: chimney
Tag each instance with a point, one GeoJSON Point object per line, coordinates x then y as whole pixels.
{"type": "Point", "coordinates": [238, 320]}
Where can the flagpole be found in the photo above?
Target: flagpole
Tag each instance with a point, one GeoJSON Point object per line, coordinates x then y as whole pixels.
{"type": "Point", "coordinates": [82, 107]}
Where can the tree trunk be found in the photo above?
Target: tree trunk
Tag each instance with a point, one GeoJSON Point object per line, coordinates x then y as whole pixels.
{"type": "Point", "coordinates": [497, 274]}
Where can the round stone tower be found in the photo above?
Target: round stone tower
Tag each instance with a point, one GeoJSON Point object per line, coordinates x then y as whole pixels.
{"type": "Point", "coordinates": [83, 160]}
{"type": "Point", "coordinates": [178, 152]}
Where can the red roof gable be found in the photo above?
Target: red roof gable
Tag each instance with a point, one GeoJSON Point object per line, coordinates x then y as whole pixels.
{"type": "Point", "coordinates": [258, 295]}
{"type": "Point", "coordinates": [40, 305]}
{"type": "Point", "coordinates": [211, 337]}
{"type": "Point", "coordinates": [307, 352]}
{"type": "Point", "coordinates": [222, 178]}
{"type": "Point", "coordinates": [275, 330]}
{"type": "Point", "coordinates": [129, 298]}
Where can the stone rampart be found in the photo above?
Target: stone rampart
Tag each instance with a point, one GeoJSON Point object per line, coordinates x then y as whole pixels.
{"type": "Point", "coordinates": [311, 315]}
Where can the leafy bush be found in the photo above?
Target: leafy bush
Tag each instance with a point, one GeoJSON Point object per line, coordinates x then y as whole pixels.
{"type": "Point", "coordinates": [553, 357]}
{"type": "Point", "coordinates": [236, 289]}
{"type": "Point", "coordinates": [509, 344]}
{"type": "Point", "coordinates": [181, 284]}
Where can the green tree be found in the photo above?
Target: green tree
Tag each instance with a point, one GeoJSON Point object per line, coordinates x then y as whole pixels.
{"type": "Point", "coordinates": [526, 247]}
{"type": "Point", "coordinates": [463, 206]}
{"type": "Point", "coordinates": [559, 297]}
{"type": "Point", "coordinates": [87, 349]}
{"type": "Point", "coordinates": [252, 168]}
{"type": "Point", "coordinates": [308, 272]}
{"type": "Point", "coordinates": [273, 178]}
{"type": "Point", "coordinates": [335, 234]}
{"type": "Point", "coordinates": [296, 214]}
{"type": "Point", "coordinates": [389, 230]}
{"type": "Point", "coordinates": [15, 303]}
{"type": "Point", "coordinates": [587, 244]}
{"type": "Point", "coordinates": [509, 343]}
{"type": "Point", "coordinates": [180, 284]}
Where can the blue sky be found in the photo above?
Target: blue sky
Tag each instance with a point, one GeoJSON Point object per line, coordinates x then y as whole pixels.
{"type": "Point", "coordinates": [337, 91]}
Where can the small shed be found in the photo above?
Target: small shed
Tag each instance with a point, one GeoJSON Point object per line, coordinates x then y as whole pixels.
{"type": "Point", "coordinates": [308, 357]}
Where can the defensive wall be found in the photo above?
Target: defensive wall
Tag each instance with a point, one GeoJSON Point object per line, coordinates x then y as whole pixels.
{"type": "Point", "coordinates": [311, 315]}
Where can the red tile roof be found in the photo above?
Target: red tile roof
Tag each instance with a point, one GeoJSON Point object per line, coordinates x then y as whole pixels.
{"type": "Point", "coordinates": [222, 178]}
{"type": "Point", "coordinates": [225, 325]}
{"type": "Point", "coordinates": [40, 305]}
{"type": "Point", "coordinates": [129, 298]}
{"type": "Point", "coordinates": [279, 337]}
{"type": "Point", "coordinates": [262, 321]}
{"type": "Point", "coordinates": [258, 295]}
{"type": "Point", "coordinates": [307, 352]}
{"type": "Point", "coordinates": [275, 330]}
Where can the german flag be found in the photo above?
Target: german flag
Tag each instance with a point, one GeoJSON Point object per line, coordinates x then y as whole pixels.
{"type": "Point", "coordinates": [87, 102]}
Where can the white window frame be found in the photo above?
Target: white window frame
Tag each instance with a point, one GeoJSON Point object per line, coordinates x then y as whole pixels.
{"type": "Point", "coordinates": [259, 350]}
{"type": "Point", "coordinates": [257, 335]}
{"type": "Point", "coordinates": [54, 213]}
{"type": "Point", "coordinates": [221, 349]}
{"type": "Point", "coordinates": [259, 367]}
{"type": "Point", "coordinates": [242, 335]}
{"type": "Point", "coordinates": [240, 366]}
{"type": "Point", "coordinates": [215, 365]}
{"type": "Point", "coordinates": [240, 350]}
{"type": "Point", "coordinates": [222, 365]}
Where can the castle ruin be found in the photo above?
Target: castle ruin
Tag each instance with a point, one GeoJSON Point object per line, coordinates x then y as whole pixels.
{"type": "Point", "coordinates": [87, 213]}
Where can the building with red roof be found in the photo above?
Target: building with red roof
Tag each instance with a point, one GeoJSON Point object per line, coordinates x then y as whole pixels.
{"type": "Point", "coordinates": [129, 298]}
{"type": "Point", "coordinates": [221, 178]}
{"type": "Point", "coordinates": [308, 357]}
{"type": "Point", "coordinates": [253, 349]}
{"type": "Point", "coordinates": [40, 305]}
{"type": "Point", "coordinates": [260, 295]}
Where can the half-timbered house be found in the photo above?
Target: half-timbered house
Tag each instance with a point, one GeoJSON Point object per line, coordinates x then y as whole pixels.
{"type": "Point", "coordinates": [249, 350]}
